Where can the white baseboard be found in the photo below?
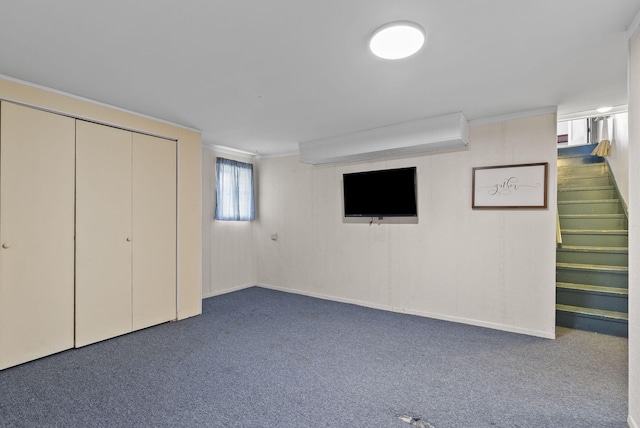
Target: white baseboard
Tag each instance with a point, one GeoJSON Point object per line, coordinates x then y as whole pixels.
{"type": "Point", "coordinates": [226, 290]}
{"type": "Point", "coordinates": [324, 297]}
{"type": "Point", "coordinates": [461, 320]}
{"type": "Point", "coordinates": [632, 423]}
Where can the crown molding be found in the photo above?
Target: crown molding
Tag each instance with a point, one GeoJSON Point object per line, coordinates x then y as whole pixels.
{"type": "Point", "coordinates": [229, 150]}
{"type": "Point", "coordinates": [516, 115]}
{"type": "Point", "coordinates": [89, 100]}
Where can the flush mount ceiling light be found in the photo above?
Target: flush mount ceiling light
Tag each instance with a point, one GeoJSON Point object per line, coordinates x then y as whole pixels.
{"type": "Point", "coordinates": [604, 109]}
{"type": "Point", "coordinates": [397, 40]}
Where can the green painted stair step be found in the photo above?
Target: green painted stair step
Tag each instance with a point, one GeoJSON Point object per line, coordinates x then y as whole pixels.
{"type": "Point", "coordinates": [572, 169]}
{"type": "Point", "coordinates": [597, 238]}
{"type": "Point", "coordinates": [593, 221]}
{"type": "Point", "coordinates": [574, 163]}
{"type": "Point", "coordinates": [592, 296]}
{"type": "Point", "coordinates": [582, 254]}
{"type": "Point", "coordinates": [600, 206]}
{"type": "Point", "coordinates": [597, 320]}
{"type": "Point", "coordinates": [586, 193]}
{"type": "Point", "coordinates": [603, 275]}
{"type": "Point", "coordinates": [586, 181]}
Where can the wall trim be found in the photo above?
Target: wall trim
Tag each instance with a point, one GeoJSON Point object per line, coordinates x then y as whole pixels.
{"type": "Point", "coordinates": [632, 423]}
{"type": "Point", "coordinates": [229, 150]}
{"type": "Point", "coordinates": [97, 121]}
{"type": "Point", "coordinates": [254, 155]}
{"type": "Point", "coordinates": [88, 100]}
{"type": "Point", "coordinates": [227, 290]}
{"type": "Point", "coordinates": [517, 115]}
{"type": "Point", "coordinates": [460, 320]}
{"type": "Point", "coordinates": [278, 155]}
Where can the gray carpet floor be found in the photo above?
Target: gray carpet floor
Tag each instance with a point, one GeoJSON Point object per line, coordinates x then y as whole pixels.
{"type": "Point", "coordinates": [261, 358]}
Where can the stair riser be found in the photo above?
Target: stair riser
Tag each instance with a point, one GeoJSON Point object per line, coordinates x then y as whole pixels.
{"type": "Point", "coordinates": [595, 240]}
{"type": "Point", "coordinates": [598, 325]}
{"type": "Point", "coordinates": [605, 279]}
{"type": "Point", "coordinates": [587, 181]}
{"type": "Point", "coordinates": [587, 258]}
{"type": "Point", "coordinates": [590, 208]}
{"type": "Point", "coordinates": [583, 195]}
{"type": "Point", "coordinates": [574, 162]}
{"type": "Point", "coordinates": [594, 223]}
{"type": "Point", "coordinates": [579, 159]}
{"type": "Point", "coordinates": [582, 170]}
{"type": "Point", "coordinates": [586, 299]}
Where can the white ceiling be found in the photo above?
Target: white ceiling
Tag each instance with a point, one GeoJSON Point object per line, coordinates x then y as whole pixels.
{"type": "Point", "coordinates": [261, 76]}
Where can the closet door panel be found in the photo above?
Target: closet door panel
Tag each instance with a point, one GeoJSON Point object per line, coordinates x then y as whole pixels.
{"type": "Point", "coordinates": [154, 230]}
{"type": "Point", "coordinates": [36, 231]}
{"type": "Point", "coordinates": [103, 232]}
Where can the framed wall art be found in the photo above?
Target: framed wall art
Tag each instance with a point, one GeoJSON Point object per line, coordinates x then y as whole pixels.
{"type": "Point", "coordinates": [522, 186]}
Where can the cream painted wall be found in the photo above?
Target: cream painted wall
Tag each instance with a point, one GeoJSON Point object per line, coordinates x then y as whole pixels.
{"type": "Point", "coordinates": [189, 298]}
{"type": "Point", "coordinates": [619, 159]}
{"type": "Point", "coordinates": [228, 250]}
{"type": "Point", "coordinates": [489, 268]}
{"type": "Point", "coordinates": [634, 228]}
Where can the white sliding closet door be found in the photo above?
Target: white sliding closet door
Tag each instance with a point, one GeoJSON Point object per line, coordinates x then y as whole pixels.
{"type": "Point", "coordinates": [154, 230]}
{"type": "Point", "coordinates": [36, 233]}
{"type": "Point", "coordinates": [103, 232]}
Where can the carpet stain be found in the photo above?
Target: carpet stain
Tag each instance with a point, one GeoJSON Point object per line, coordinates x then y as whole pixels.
{"type": "Point", "coordinates": [416, 422]}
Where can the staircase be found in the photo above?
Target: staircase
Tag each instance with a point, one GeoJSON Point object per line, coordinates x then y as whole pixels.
{"type": "Point", "coordinates": [592, 261]}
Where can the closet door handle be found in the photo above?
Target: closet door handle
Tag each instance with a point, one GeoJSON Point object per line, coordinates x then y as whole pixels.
{"type": "Point", "coordinates": [5, 245]}
{"type": "Point", "coordinates": [128, 239]}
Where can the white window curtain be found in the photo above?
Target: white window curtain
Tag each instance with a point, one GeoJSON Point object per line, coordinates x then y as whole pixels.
{"type": "Point", "coordinates": [234, 191]}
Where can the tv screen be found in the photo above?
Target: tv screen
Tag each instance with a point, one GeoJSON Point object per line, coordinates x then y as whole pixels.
{"type": "Point", "coordinates": [383, 193]}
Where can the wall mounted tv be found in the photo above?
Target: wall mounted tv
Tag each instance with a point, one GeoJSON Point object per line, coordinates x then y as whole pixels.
{"type": "Point", "coordinates": [382, 193]}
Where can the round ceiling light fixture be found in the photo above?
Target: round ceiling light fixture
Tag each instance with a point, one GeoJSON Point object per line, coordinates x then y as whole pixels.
{"type": "Point", "coordinates": [397, 40]}
{"type": "Point", "coordinates": [604, 109]}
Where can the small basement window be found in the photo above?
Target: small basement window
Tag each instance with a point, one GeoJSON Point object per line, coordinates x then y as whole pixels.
{"type": "Point", "coordinates": [234, 191]}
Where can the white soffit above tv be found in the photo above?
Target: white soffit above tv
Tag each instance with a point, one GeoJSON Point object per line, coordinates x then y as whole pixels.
{"type": "Point", "coordinates": [446, 132]}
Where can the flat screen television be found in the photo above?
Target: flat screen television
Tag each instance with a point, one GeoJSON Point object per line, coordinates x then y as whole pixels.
{"type": "Point", "coordinates": [382, 193]}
